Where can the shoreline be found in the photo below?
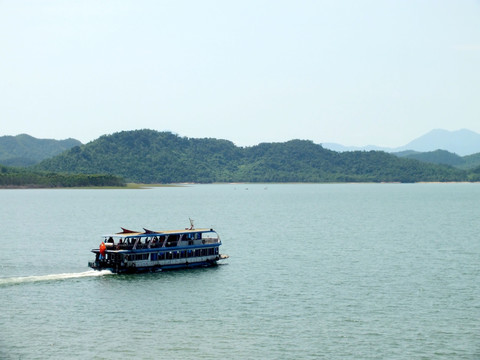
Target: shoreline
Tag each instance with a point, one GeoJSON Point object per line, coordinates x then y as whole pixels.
{"type": "Point", "coordinates": [140, 186]}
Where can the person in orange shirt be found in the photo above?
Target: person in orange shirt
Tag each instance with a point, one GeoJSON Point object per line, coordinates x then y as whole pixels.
{"type": "Point", "coordinates": [103, 247]}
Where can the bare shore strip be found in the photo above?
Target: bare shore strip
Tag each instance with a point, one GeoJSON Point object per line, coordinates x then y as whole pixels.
{"type": "Point", "coordinates": [140, 186]}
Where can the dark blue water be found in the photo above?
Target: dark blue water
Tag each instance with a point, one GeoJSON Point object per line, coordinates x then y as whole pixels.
{"type": "Point", "coordinates": [383, 271]}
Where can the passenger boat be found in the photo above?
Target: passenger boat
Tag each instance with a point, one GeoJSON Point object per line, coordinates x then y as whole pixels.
{"type": "Point", "coordinates": [132, 251]}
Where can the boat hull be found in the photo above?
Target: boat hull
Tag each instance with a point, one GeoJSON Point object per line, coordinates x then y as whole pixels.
{"type": "Point", "coordinates": [139, 268]}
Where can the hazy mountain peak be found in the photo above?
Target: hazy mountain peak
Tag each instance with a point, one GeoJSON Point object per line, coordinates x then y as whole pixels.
{"type": "Point", "coordinates": [462, 142]}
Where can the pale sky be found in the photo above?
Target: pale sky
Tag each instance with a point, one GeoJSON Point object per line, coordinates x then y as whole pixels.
{"type": "Point", "coordinates": [354, 72]}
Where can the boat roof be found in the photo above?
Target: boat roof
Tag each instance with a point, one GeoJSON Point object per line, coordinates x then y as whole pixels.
{"type": "Point", "coordinates": [125, 233]}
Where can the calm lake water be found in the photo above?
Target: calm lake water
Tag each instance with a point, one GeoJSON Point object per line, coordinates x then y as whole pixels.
{"type": "Point", "coordinates": [367, 271]}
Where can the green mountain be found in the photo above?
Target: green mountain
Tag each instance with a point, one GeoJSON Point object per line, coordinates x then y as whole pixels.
{"type": "Point", "coordinates": [470, 162]}
{"type": "Point", "coordinates": [148, 156]}
{"type": "Point", "coordinates": [434, 157]}
{"type": "Point", "coordinates": [25, 150]}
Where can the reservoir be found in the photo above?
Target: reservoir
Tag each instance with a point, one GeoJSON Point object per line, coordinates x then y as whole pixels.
{"type": "Point", "coordinates": [316, 271]}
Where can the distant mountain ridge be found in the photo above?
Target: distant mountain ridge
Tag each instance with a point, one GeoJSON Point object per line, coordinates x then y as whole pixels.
{"type": "Point", "coordinates": [25, 150]}
{"type": "Point", "coordinates": [461, 142]}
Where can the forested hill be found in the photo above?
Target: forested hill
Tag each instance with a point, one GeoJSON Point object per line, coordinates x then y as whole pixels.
{"type": "Point", "coordinates": [148, 156]}
{"type": "Point", "coordinates": [25, 150]}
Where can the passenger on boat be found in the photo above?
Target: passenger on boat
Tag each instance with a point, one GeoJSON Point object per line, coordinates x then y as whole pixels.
{"type": "Point", "coordinates": [120, 244]}
{"type": "Point", "coordinates": [103, 247]}
{"type": "Point", "coordinates": [110, 243]}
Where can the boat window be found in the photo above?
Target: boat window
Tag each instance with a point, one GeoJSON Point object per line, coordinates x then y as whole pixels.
{"type": "Point", "coordinates": [141, 256]}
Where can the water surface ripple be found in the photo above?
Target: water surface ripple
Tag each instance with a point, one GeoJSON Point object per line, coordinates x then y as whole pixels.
{"type": "Point", "coordinates": [367, 271]}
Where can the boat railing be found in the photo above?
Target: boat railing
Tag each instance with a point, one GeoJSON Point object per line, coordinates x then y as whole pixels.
{"type": "Point", "coordinates": [155, 245]}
